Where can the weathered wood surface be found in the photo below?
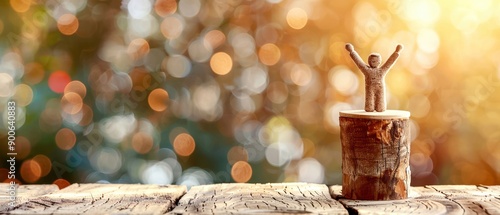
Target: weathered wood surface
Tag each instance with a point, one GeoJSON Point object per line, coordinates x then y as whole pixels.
{"type": "Point", "coordinates": [442, 199]}
{"type": "Point", "coordinates": [282, 198]}
{"type": "Point", "coordinates": [24, 193]}
{"type": "Point", "coordinates": [104, 199]}
{"type": "Point", "coordinates": [375, 155]}
{"type": "Point", "coordinates": [297, 198]}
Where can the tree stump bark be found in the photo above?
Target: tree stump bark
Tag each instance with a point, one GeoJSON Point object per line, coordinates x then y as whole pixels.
{"type": "Point", "coordinates": [375, 154]}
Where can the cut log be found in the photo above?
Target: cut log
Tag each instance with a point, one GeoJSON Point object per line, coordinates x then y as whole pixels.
{"type": "Point", "coordinates": [105, 199]}
{"type": "Point", "coordinates": [375, 154]}
{"type": "Point", "coordinates": [296, 198]}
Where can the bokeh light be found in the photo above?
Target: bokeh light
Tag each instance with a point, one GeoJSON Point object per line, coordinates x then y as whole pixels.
{"type": "Point", "coordinates": [30, 171]}
{"type": "Point", "coordinates": [45, 164]}
{"type": "Point", "coordinates": [158, 99]}
{"type": "Point", "coordinates": [6, 85]}
{"type": "Point", "coordinates": [71, 103]}
{"type": "Point", "coordinates": [237, 153]}
{"type": "Point", "coordinates": [23, 95]}
{"type": "Point", "coordinates": [172, 27]}
{"type": "Point", "coordinates": [184, 144]}
{"type": "Point", "coordinates": [165, 7]}
{"type": "Point", "coordinates": [76, 87]}
{"type": "Point", "coordinates": [68, 24]}
{"type": "Point", "coordinates": [138, 48]}
{"type": "Point", "coordinates": [241, 172]}
{"type": "Point", "coordinates": [23, 146]}
{"type": "Point", "coordinates": [297, 18]}
{"type": "Point", "coordinates": [221, 63]}
{"type": "Point", "coordinates": [65, 139]}
{"type": "Point", "coordinates": [269, 54]}
{"type": "Point", "coordinates": [33, 73]}
{"type": "Point", "coordinates": [61, 183]}
{"type": "Point", "coordinates": [58, 81]}
{"type": "Point", "coordinates": [120, 92]}
{"type": "Point", "coordinates": [142, 142]}
{"type": "Point", "coordinates": [20, 6]}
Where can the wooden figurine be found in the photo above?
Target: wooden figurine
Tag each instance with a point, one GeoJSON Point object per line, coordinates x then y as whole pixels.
{"type": "Point", "coordinates": [375, 145]}
{"type": "Point", "coordinates": [374, 77]}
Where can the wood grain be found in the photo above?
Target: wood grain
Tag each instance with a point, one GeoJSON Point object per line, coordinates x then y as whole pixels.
{"type": "Point", "coordinates": [105, 199]}
{"type": "Point", "coordinates": [443, 199]}
{"type": "Point", "coordinates": [297, 198]}
{"type": "Point", "coordinates": [24, 193]}
{"type": "Point", "coordinates": [375, 157]}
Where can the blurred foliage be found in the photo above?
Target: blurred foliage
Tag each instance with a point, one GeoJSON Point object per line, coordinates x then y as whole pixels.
{"type": "Point", "coordinates": [196, 92]}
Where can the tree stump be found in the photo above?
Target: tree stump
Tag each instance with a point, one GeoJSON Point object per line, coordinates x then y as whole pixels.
{"type": "Point", "coordinates": [375, 154]}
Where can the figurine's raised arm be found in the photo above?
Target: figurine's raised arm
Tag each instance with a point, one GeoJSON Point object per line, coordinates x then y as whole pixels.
{"type": "Point", "coordinates": [392, 59]}
{"type": "Point", "coordinates": [355, 57]}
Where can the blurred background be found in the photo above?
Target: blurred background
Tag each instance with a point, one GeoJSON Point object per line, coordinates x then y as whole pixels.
{"type": "Point", "coordinates": [196, 92]}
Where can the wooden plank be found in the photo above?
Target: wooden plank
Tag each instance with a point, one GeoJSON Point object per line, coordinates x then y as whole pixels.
{"type": "Point", "coordinates": [105, 199]}
{"type": "Point", "coordinates": [439, 199]}
{"type": "Point", "coordinates": [472, 199]}
{"type": "Point", "coordinates": [300, 198]}
{"type": "Point", "coordinates": [24, 193]}
{"type": "Point", "coordinates": [422, 200]}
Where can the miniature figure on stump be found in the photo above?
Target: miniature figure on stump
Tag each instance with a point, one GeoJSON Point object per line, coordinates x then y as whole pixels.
{"type": "Point", "coordinates": [374, 77]}
{"type": "Point", "coordinates": [375, 145]}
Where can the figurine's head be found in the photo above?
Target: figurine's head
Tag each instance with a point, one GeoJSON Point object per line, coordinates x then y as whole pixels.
{"type": "Point", "coordinates": [374, 60]}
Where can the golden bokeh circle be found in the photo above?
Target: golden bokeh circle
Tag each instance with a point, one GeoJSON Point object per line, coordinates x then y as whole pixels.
{"type": "Point", "coordinates": [184, 144]}
{"type": "Point", "coordinates": [158, 99]}
{"type": "Point", "coordinates": [65, 139]}
{"type": "Point", "coordinates": [142, 143]}
{"type": "Point", "coordinates": [76, 87]}
{"type": "Point", "coordinates": [221, 63]}
{"type": "Point", "coordinates": [297, 18]}
{"type": "Point", "coordinates": [241, 172]}
{"type": "Point", "coordinates": [31, 171]}
{"type": "Point", "coordinates": [269, 54]}
{"type": "Point", "coordinates": [68, 24]}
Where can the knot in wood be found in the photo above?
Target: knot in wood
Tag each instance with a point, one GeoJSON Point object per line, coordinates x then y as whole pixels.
{"type": "Point", "coordinates": [381, 129]}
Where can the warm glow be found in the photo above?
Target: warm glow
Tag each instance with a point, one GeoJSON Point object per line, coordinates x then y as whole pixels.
{"type": "Point", "coordinates": [301, 74]}
{"type": "Point", "coordinates": [165, 7]}
{"type": "Point", "coordinates": [237, 153]}
{"type": "Point", "coordinates": [297, 18]}
{"type": "Point", "coordinates": [184, 144]}
{"type": "Point", "coordinates": [142, 142]}
{"type": "Point", "coordinates": [23, 147]}
{"type": "Point", "coordinates": [20, 6]}
{"type": "Point", "coordinates": [138, 48]}
{"type": "Point", "coordinates": [6, 85]}
{"type": "Point", "coordinates": [67, 24]}
{"type": "Point", "coordinates": [31, 171]}
{"type": "Point", "coordinates": [71, 103]}
{"type": "Point", "coordinates": [215, 38]}
{"type": "Point", "coordinates": [171, 27]}
{"type": "Point", "coordinates": [23, 95]}
{"type": "Point", "coordinates": [221, 63]}
{"type": "Point", "coordinates": [269, 54]}
{"type": "Point", "coordinates": [76, 87]}
{"type": "Point", "coordinates": [45, 164]}
{"type": "Point", "coordinates": [158, 99]}
{"type": "Point", "coordinates": [61, 183]}
{"type": "Point", "coordinates": [65, 139]}
{"type": "Point", "coordinates": [87, 115]}
{"type": "Point", "coordinates": [58, 81]}
{"type": "Point", "coordinates": [241, 172]}
{"type": "Point", "coordinates": [33, 73]}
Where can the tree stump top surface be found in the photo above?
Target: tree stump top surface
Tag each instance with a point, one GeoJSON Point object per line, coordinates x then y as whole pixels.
{"type": "Point", "coordinates": [388, 114]}
{"type": "Point", "coordinates": [276, 198]}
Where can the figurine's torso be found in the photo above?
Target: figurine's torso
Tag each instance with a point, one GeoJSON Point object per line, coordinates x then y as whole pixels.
{"type": "Point", "coordinates": [374, 76]}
